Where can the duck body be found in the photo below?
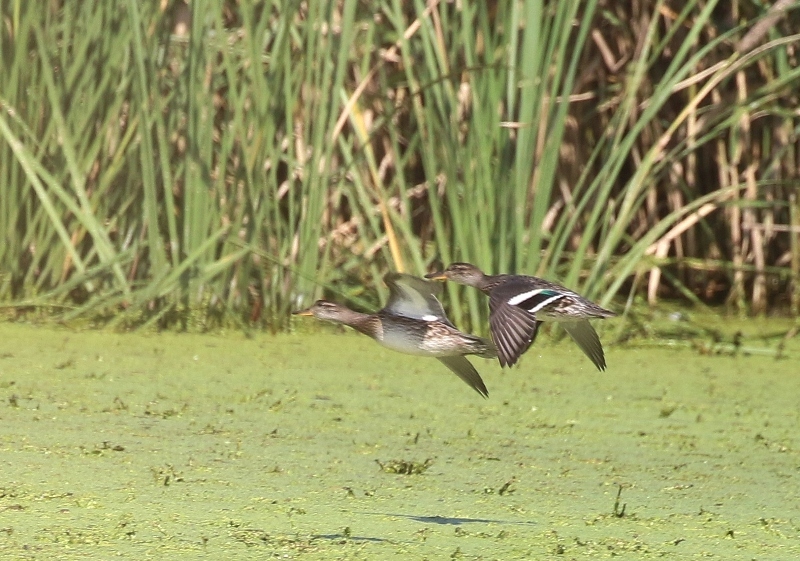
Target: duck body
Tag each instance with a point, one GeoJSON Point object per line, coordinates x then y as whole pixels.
{"type": "Point", "coordinates": [414, 322]}
{"type": "Point", "coordinates": [546, 300]}
{"type": "Point", "coordinates": [518, 304]}
{"type": "Point", "coordinates": [435, 338]}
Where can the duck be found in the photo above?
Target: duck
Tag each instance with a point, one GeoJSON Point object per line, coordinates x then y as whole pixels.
{"type": "Point", "coordinates": [414, 322]}
{"type": "Point", "coordinates": [518, 304]}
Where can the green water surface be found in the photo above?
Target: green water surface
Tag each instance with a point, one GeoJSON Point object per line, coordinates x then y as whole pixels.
{"type": "Point", "coordinates": [170, 446]}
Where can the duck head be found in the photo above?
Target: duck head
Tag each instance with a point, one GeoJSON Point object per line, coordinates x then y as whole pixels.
{"type": "Point", "coordinates": [462, 273]}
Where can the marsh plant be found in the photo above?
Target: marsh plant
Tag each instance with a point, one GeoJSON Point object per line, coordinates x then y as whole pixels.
{"type": "Point", "coordinates": [227, 161]}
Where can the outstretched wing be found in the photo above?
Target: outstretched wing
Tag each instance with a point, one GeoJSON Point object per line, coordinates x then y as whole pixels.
{"type": "Point", "coordinates": [464, 370]}
{"type": "Point", "coordinates": [413, 297]}
{"type": "Point", "coordinates": [586, 338]}
{"type": "Point", "coordinates": [513, 329]}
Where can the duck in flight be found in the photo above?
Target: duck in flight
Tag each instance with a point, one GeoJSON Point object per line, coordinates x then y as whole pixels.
{"type": "Point", "coordinates": [518, 304]}
{"type": "Point", "coordinates": [414, 322]}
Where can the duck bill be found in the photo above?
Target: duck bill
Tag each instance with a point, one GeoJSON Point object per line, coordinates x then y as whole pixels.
{"type": "Point", "coordinates": [306, 312]}
{"type": "Point", "coordinates": [438, 276]}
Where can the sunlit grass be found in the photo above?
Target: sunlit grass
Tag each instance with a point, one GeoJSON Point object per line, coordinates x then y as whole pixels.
{"type": "Point", "coordinates": [227, 167]}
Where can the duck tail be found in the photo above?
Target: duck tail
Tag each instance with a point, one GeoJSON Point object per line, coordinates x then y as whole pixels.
{"type": "Point", "coordinates": [483, 348]}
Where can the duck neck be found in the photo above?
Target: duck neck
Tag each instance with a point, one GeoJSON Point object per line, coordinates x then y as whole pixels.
{"type": "Point", "coordinates": [482, 281]}
{"type": "Point", "coordinates": [363, 323]}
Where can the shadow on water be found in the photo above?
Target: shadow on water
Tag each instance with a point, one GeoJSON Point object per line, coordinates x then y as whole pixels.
{"type": "Point", "coordinates": [452, 521]}
{"type": "Point", "coordinates": [347, 537]}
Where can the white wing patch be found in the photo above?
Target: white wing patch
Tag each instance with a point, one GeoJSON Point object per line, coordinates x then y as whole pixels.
{"type": "Point", "coordinates": [429, 317]}
{"type": "Point", "coordinates": [531, 294]}
{"type": "Point", "coordinates": [524, 296]}
{"type": "Point", "coordinates": [545, 303]}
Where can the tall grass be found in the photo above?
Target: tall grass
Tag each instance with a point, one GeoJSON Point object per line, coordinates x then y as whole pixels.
{"type": "Point", "coordinates": [225, 162]}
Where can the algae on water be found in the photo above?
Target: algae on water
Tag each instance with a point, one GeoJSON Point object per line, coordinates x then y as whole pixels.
{"type": "Point", "coordinates": [159, 446]}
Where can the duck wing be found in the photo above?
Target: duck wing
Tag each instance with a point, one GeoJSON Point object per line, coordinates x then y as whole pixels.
{"type": "Point", "coordinates": [464, 370]}
{"type": "Point", "coordinates": [513, 329]}
{"type": "Point", "coordinates": [413, 297]}
{"type": "Point", "coordinates": [586, 338]}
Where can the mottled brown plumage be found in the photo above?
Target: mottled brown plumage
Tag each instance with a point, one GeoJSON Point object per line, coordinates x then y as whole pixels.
{"type": "Point", "coordinates": [414, 322]}
{"type": "Point", "coordinates": [519, 303]}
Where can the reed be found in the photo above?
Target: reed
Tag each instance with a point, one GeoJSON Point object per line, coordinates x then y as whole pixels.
{"type": "Point", "coordinates": [225, 162]}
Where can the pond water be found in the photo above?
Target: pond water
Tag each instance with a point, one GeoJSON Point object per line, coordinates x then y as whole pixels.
{"type": "Point", "coordinates": [327, 446]}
